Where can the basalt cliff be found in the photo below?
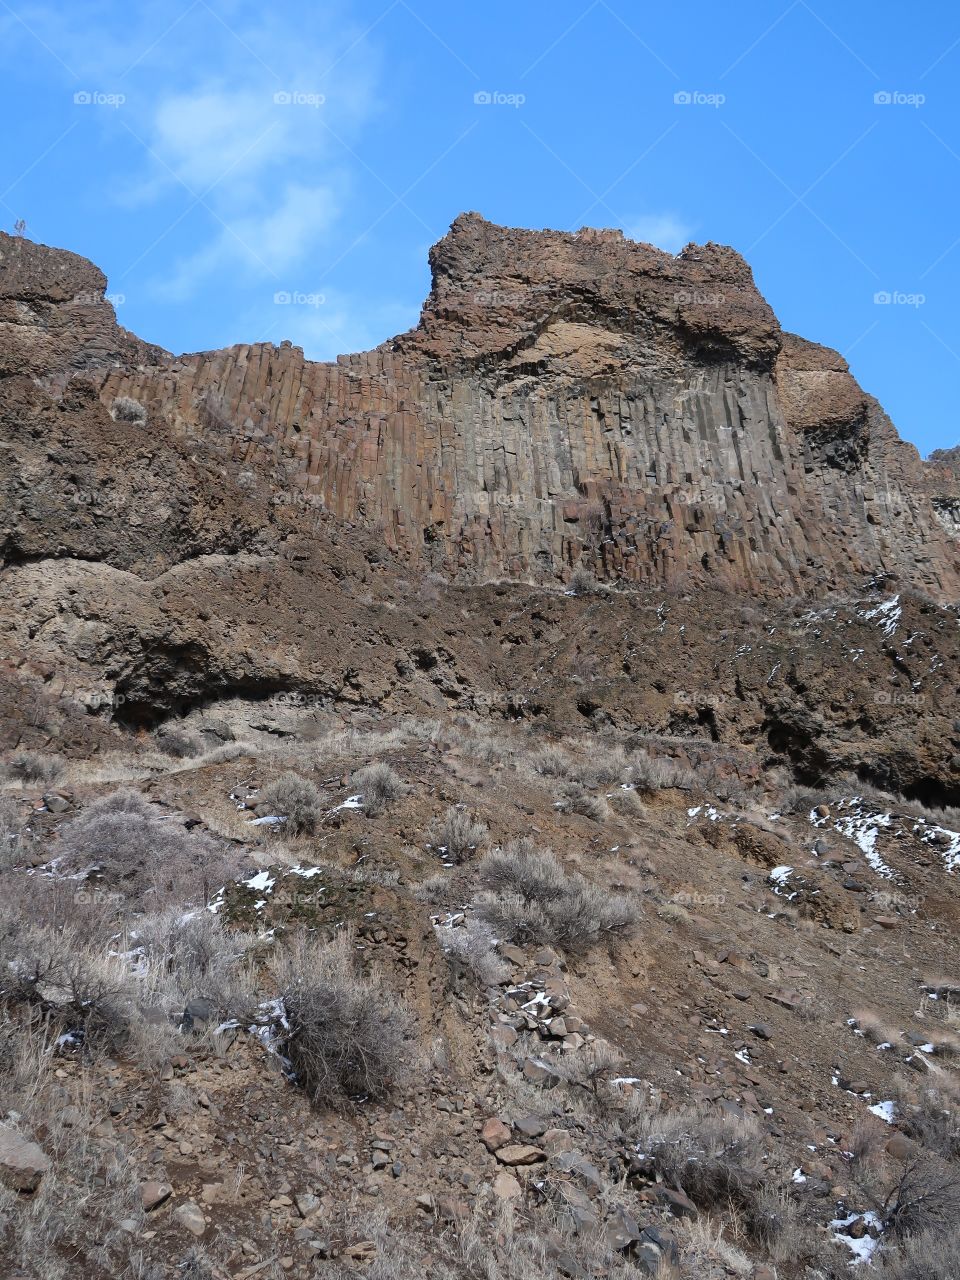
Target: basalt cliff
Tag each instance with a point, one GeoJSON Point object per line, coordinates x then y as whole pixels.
{"type": "Point", "coordinates": [566, 400]}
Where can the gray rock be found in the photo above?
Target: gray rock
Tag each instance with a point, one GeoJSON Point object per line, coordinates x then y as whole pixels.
{"type": "Point", "coordinates": [190, 1217]}
{"type": "Point", "coordinates": [197, 1010]}
{"type": "Point", "coordinates": [22, 1163]}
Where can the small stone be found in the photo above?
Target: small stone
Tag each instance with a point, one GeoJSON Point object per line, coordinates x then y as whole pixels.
{"type": "Point", "coordinates": [901, 1148]}
{"type": "Point", "coordinates": [506, 1186]}
{"type": "Point", "coordinates": [190, 1217]}
{"type": "Point", "coordinates": [680, 1206]}
{"type": "Point", "coordinates": [539, 1072]}
{"type": "Point", "coordinates": [503, 1037]}
{"type": "Point", "coordinates": [519, 1154]}
{"type": "Point", "coordinates": [153, 1195]}
{"type": "Point", "coordinates": [495, 1134]}
{"type": "Point", "coordinates": [622, 1229]}
{"type": "Point", "coordinates": [530, 1126]}
{"type": "Point", "coordinates": [556, 1141]}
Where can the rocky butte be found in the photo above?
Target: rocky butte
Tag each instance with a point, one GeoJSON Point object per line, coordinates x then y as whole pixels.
{"type": "Point", "coordinates": [566, 400]}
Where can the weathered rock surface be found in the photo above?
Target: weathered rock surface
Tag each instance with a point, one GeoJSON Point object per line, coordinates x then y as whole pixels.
{"type": "Point", "coordinates": [22, 1163]}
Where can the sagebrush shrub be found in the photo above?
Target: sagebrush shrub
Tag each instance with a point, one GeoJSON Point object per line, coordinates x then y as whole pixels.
{"type": "Point", "coordinates": [379, 785]}
{"type": "Point", "coordinates": [572, 798]}
{"type": "Point", "coordinates": [32, 766]}
{"type": "Point", "coordinates": [713, 1156]}
{"type": "Point", "coordinates": [932, 1254]}
{"type": "Point", "coordinates": [925, 1198]}
{"type": "Point", "coordinates": [529, 898]}
{"type": "Point", "coordinates": [87, 992]}
{"type": "Point", "coordinates": [126, 409]}
{"type": "Point", "coordinates": [132, 846]}
{"type": "Point", "coordinates": [583, 583]}
{"type": "Point", "coordinates": [296, 799]}
{"type": "Point", "coordinates": [649, 773]}
{"type": "Point", "coordinates": [460, 834]}
{"type": "Point", "coordinates": [189, 954]}
{"type": "Point", "coordinates": [344, 1035]}
{"type": "Point", "coordinates": [472, 945]}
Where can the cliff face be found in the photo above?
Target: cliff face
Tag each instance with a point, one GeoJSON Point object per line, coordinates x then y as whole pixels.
{"type": "Point", "coordinates": [573, 399]}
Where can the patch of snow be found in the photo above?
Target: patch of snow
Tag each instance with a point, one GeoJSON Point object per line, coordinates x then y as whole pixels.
{"type": "Point", "coordinates": [862, 1249]}
{"type": "Point", "coordinates": [887, 615]}
{"type": "Point", "coordinates": [863, 829]}
{"type": "Point", "coordinates": [270, 820]}
{"type": "Point", "coordinates": [798, 1176]}
{"type": "Point", "coordinates": [262, 881]}
{"type": "Point", "coordinates": [946, 842]}
{"type": "Point", "coordinates": [885, 1110]}
{"type": "Point", "coordinates": [780, 875]}
{"type": "Point", "coordinates": [351, 802]}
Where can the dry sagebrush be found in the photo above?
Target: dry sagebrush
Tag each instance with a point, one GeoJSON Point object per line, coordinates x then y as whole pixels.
{"type": "Point", "coordinates": [528, 898]}
{"type": "Point", "coordinates": [344, 1035]}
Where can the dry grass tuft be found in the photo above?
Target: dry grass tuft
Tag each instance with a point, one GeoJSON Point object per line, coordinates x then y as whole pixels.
{"type": "Point", "coordinates": [459, 835]}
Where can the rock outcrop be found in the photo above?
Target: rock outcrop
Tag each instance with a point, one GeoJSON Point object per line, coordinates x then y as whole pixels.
{"type": "Point", "coordinates": [565, 400]}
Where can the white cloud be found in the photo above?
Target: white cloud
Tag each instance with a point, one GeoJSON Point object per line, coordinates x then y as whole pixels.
{"type": "Point", "coordinates": [202, 116]}
{"type": "Point", "coordinates": [665, 230]}
{"type": "Point", "coordinates": [266, 242]}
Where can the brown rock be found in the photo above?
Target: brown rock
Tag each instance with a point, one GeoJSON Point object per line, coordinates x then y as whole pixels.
{"type": "Point", "coordinates": [519, 1154]}
{"type": "Point", "coordinates": [495, 1134]}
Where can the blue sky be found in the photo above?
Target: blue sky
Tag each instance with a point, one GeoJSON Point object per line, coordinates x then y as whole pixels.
{"type": "Point", "coordinates": [223, 152]}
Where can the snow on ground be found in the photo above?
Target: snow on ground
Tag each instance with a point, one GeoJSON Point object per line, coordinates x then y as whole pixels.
{"type": "Point", "coordinates": [862, 1249]}
{"type": "Point", "coordinates": [351, 802]}
{"type": "Point", "coordinates": [946, 842]}
{"type": "Point", "coordinates": [885, 1110]}
{"type": "Point", "coordinates": [886, 615]}
{"type": "Point", "coordinates": [863, 828]}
